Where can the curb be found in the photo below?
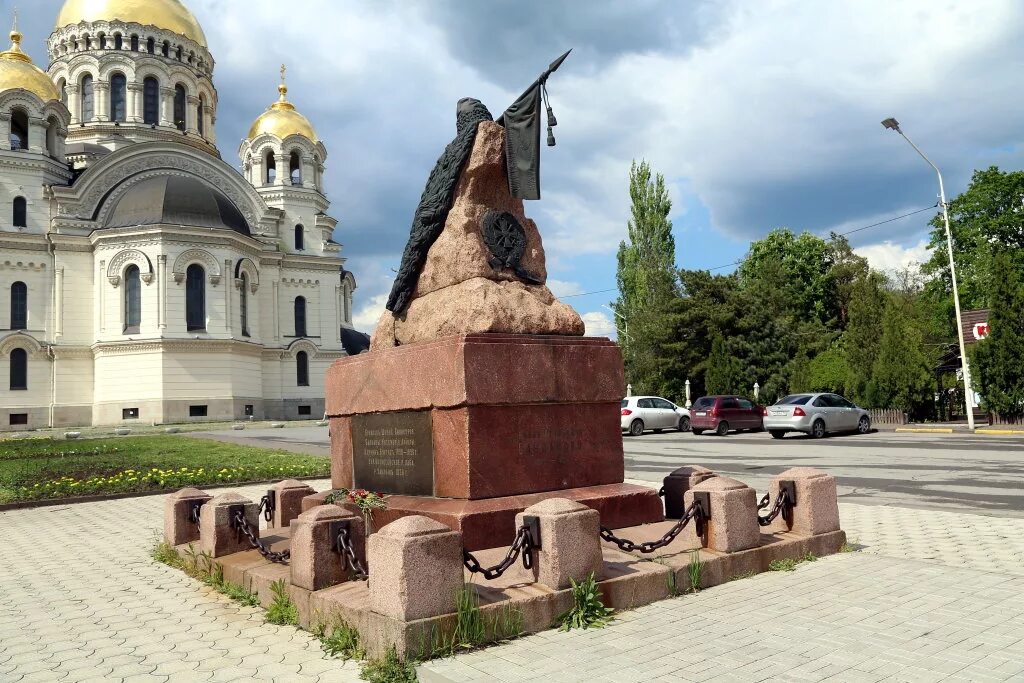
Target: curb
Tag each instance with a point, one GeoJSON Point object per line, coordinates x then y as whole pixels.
{"type": "Point", "coordinates": [52, 502]}
{"type": "Point", "coordinates": [923, 430]}
{"type": "Point", "coordinates": [1000, 432]}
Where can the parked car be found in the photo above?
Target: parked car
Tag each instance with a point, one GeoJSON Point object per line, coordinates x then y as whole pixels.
{"type": "Point", "coordinates": [815, 414]}
{"type": "Point", "coordinates": [652, 412]}
{"type": "Point", "coordinates": [724, 414]}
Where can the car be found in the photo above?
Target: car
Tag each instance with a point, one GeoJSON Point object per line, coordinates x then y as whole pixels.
{"type": "Point", "coordinates": [652, 412]}
{"type": "Point", "coordinates": [815, 414]}
{"type": "Point", "coordinates": [724, 414]}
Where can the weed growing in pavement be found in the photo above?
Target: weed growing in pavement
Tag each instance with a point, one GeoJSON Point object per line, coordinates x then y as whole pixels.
{"type": "Point", "coordinates": [165, 553]}
{"type": "Point", "coordinates": [744, 575]}
{"type": "Point", "coordinates": [507, 623]}
{"type": "Point", "coordinates": [239, 594]}
{"type": "Point", "coordinates": [587, 610]}
{"type": "Point", "coordinates": [282, 610]}
{"type": "Point", "coordinates": [789, 564]}
{"type": "Point", "coordinates": [849, 546]}
{"type": "Point", "coordinates": [469, 624]}
{"type": "Point", "coordinates": [695, 570]}
{"type": "Point", "coordinates": [389, 669]}
{"type": "Point", "coordinates": [341, 640]}
{"type": "Point", "coordinates": [673, 587]}
{"type": "Point", "coordinates": [200, 565]}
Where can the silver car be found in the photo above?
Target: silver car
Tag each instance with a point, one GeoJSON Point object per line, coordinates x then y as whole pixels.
{"type": "Point", "coordinates": [652, 412]}
{"type": "Point", "coordinates": [815, 414]}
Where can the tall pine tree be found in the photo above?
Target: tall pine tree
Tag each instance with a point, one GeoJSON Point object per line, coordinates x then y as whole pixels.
{"type": "Point", "coordinates": [902, 374]}
{"type": "Point", "coordinates": [647, 281]}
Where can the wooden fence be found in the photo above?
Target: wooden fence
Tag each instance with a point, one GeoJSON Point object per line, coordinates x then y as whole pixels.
{"type": "Point", "coordinates": [888, 417]}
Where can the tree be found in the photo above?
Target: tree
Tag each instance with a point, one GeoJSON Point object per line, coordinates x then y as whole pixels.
{"type": "Point", "coordinates": [863, 333]}
{"type": "Point", "coordinates": [724, 374]}
{"type": "Point", "coordinates": [986, 218]}
{"type": "Point", "coordinates": [997, 360]}
{"type": "Point", "coordinates": [902, 374]}
{"type": "Point", "coordinates": [646, 278]}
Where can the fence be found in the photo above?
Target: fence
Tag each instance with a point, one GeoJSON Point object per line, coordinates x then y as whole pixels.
{"type": "Point", "coordinates": [996, 419]}
{"type": "Point", "coordinates": [886, 416]}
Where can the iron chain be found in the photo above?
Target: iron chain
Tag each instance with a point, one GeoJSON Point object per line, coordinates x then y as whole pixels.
{"type": "Point", "coordinates": [193, 514]}
{"type": "Point", "coordinates": [524, 544]}
{"type": "Point", "coordinates": [348, 556]}
{"type": "Point", "coordinates": [242, 525]}
{"type": "Point", "coordinates": [696, 512]}
{"type": "Point", "coordinates": [267, 507]}
{"type": "Point", "coordinates": [782, 506]}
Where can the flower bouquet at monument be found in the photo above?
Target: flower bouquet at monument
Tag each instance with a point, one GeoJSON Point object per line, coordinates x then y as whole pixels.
{"type": "Point", "coordinates": [366, 501]}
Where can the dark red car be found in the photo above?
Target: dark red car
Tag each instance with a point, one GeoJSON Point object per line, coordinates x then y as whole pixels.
{"type": "Point", "coordinates": [724, 414]}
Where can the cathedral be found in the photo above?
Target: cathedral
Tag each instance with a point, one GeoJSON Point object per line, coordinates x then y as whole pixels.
{"type": "Point", "coordinates": [142, 278]}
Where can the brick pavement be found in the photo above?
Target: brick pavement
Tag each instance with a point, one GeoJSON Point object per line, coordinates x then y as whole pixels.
{"type": "Point", "coordinates": [932, 596]}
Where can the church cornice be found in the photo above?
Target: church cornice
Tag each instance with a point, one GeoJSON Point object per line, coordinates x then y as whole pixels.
{"type": "Point", "coordinates": [135, 346]}
{"type": "Point", "coordinates": [34, 161]}
{"type": "Point", "coordinates": [180, 235]}
{"type": "Point", "coordinates": [16, 242]}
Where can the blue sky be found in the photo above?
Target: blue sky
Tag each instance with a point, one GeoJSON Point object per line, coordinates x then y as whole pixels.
{"type": "Point", "coordinates": [759, 115]}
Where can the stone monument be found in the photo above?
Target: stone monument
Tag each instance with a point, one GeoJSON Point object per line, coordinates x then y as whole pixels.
{"type": "Point", "coordinates": [480, 396]}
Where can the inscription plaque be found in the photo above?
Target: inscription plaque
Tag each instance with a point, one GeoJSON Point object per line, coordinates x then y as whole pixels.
{"type": "Point", "coordinates": [393, 453]}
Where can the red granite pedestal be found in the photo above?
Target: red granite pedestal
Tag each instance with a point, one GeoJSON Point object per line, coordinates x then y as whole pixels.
{"type": "Point", "coordinates": [514, 419]}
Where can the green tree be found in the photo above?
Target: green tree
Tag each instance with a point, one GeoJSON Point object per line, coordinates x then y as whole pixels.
{"type": "Point", "coordinates": [987, 218]}
{"type": "Point", "coordinates": [997, 359]}
{"type": "Point", "coordinates": [863, 333]}
{"type": "Point", "coordinates": [646, 278]}
{"type": "Point", "coordinates": [902, 373]}
{"type": "Point", "coordinates": [724, 374]}
{"type": "Point", "coordinates": [828, 371]}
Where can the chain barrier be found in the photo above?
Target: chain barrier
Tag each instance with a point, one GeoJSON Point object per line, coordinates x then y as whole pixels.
{"type": "Point", "coordinates": [696, 512]}
{"type": "Point", "coordinates": [343, 545]}
{"type": "Point", "coordinates": [240, 523]}
{"type": "Point", "coordinates": [524, 544]}
{"type": "Point", "coordinates": [193, 513]}
{"type": "Point", "coordinates": [783, 505]}
{"type": "Point", "coordinates": [268, 505]}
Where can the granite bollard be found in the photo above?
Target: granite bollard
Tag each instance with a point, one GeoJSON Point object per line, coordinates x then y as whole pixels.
{"type": "Point", "coordinates": [570, 539]}
{"type": "Point", "coordinates": [678, 483]}
{"type": "Point", "coordinates": [289, 494]}
{"type": "Point", "coordinates": [217, 534]}
{"type": "Point", "coordinates": [314, 562]}
{"type": "Point", "coordinates": [178, 525]}
{"type": "Point", "coordinates": [817, 507]}
{"type": "Point", "coordinates": [416, 569]}
{"type": "Point", "coordinates": [733, 525]}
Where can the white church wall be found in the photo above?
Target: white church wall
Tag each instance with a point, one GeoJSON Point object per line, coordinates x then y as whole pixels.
{"type": "Point", "coordinates": [22, 180]}
{"type": "Point", "coordinates": [33, 402]}
{"type": "Point", "coordinates": [77, 315]}
{"type": "Point", "coordinates": [32, 271]}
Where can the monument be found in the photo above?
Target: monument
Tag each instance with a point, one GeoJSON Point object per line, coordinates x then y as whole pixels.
{"type": "Point", "coordinates": [480, 396]}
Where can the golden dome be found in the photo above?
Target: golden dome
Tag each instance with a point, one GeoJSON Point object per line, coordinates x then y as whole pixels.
{"type": "Point", "coordinates": [18, 71]}
{"type": "Point", "coordinates": [171, 15]}
{"type": "Point", "coordinates": [282, 120]}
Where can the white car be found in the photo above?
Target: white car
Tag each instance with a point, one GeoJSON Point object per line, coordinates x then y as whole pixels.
{"type": "Point", "coordinates": [640, 413]}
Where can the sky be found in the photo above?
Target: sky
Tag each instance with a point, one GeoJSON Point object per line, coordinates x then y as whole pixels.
{"type": "Point", "coordinates": [759, 114]}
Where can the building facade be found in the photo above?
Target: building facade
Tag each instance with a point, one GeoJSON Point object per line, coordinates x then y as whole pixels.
{"type": "Point", "coordinates": [143, 278]}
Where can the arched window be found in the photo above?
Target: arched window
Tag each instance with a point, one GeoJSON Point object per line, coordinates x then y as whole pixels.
{"type": "Point", "coordinates": [19, 370]}
{"type": "Point", "coordinates": [201, 115]}
{"type": "Point", "coordinates": [63, 87]}
{"type": "Point", "coordinates": [19, 129]}
{"type": "Point", "coordinates": [271, 166]}
{"type": "Point", "coordinates": [103, 41]}
{"type": "Point", "coordinates": [132, 300]}
{"type": "Point", "coordinates": [118, 42]}
{"type": "Point", "coordinates": [195, 298]}
{"type": "Point", "coordinates": [51, 136]}
{"type": "Point", "coordinates": [300, 238]}
{"type": "Point", "coordinates": [295, 168]}
{"type": "Point", "coordinates": [118, 98]}
{"type": "Point", "coordinates": [151, 46]}
{"type": "Point", "coordinates": [88, 42]}
{"type": "Point", "coordinates": [87, 99]}
{"type": "Point", "coordinates": [151, 101]}
{"type": "Point", "coordinates": [302, 369]}
{"type": "Point", "coordinates": [20, 212]}
{"type": "Point", "coordinates": [135, 43]}
{"type": "Point", "coordinates": [180, 106]}
{"type": "Point", "coordinates": [166, 49]}
{"type": "Point", "coordinates": [300, 316]}
{"type": "Point", "coordinates": [243, 304]}
{"type": "Point", "coordinates": [179, 53]}
{"type": "Point", "coordinates": [19, 306]}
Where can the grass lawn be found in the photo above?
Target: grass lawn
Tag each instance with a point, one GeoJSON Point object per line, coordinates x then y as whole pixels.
{"type": "Point", "coordinates": [37, 468]}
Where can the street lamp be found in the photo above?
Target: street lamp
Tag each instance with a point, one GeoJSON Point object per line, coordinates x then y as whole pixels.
{"type": "Point", "coordinates": [893, 124]}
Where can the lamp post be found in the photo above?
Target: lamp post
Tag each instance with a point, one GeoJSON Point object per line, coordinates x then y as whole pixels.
{"type": "Point", "coordinates": [893, 124]}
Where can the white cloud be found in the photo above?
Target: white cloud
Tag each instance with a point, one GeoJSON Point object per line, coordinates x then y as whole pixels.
{"type": "Point", "coordinates": [598, 325]}
{"type": "Point", "coordinates": [889, 257]}
{"type": "Point", "coordinates": [561, 288]}
{"type": "Point", "coordinates": [366, 317]}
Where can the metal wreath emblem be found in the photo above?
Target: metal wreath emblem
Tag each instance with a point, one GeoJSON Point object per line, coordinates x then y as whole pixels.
{"type": "Point", "coordinates": [506, 240]}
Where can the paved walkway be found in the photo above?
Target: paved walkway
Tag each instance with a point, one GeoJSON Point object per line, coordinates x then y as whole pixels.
{"type": "Point", "coordinates": [932, 596]}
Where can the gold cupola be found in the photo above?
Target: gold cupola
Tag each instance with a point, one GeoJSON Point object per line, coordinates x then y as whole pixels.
{"type": "Point", "coordinates": [18, 71]}
{"type": "Point", "coordinates": [170, 15]}
{"type": "Point", "coordinates": [282, 119]}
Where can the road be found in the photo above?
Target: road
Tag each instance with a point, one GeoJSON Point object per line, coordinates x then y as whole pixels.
{"type": "Point", "coordinates": [964, 473]}
{"type": "Point", "coordinates": [956, 472]}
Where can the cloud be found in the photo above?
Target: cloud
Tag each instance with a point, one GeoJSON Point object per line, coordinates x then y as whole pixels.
{"type": "Point", "coordinates": [889, 257]}
{"type": "Point", "coordinates": [599, 325]}
{"type": "Point", "coordinates": [366, 316]}
{"type": "Point", "coordinates": [561, 288]}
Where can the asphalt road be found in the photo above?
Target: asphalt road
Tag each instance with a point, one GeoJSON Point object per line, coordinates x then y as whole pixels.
{"type": "Point", "coordinates": [961, 472]}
